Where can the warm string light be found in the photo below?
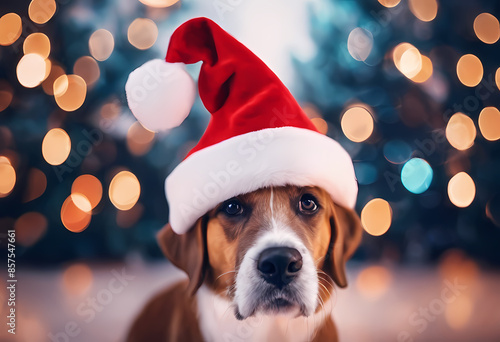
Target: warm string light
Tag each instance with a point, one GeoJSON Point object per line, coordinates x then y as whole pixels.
{"type": "Point", "coordinates": [101, 44]}
{"type": "Point", "coordinates": [389, 3]}
{"type": "Point", "coordinates": [373, 282]}
{"type": "Point", "coordinates": [469, 70]}
{"type": "Point", "coordinates": [460, 131]}
{"type": "Point", "coordinates": [56, 146]}
{"type": "Point", "coordinates": [487, 28]}
{"type": "Point", "coordinates": [461, 190]}
{"type": "Point", "coordinates": [7, 177]}
{"type": "Point", "coordinates": [70, 92]}
{"type": "Point", "coordinates": [159, 3]}
{"type": "Point", "coordinates": [425, 10]}
{"type": "Point", "coordinates": [124, 190]}
{"type": "Point", "coordinates": [489, 123]}
{"type": "Point", "coordinates": [41, 11]}
{"type": "Point", "coordinates": [142, 33]}
{"type": "Point", "coordinates": [357, 123]}
{"type": "Point", "coordinates": [10, 28]}
{"type": "Point", "coordinates": [376, 217]}
{"type": "Point", "coordinates": [73, 218]}
{"type": "Point", "coordinates": [77, 279]}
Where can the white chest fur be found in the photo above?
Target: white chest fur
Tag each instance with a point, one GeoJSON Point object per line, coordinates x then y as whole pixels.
{"type": "Point", "coordinates": [218, 323]}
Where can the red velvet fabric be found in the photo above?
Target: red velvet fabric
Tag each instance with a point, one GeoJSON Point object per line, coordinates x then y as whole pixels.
{"type": "Point", "coordinates": [240, 91]}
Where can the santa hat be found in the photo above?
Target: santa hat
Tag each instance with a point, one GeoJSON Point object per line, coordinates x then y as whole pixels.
{"type": "Point", "coordinates": [258, 135]}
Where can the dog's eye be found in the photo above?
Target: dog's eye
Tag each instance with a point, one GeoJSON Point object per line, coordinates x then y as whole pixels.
{"type": "Point", "coordinates": [308, 204]}
{"type": "Point", "coordinates": [232, 207]}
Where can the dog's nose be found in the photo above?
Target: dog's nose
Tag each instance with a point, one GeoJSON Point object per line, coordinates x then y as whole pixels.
{"type": "Point", "coordinates": [279, 265]}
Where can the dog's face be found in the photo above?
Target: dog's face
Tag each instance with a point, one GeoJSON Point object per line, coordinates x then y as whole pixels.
{"type": "Point", "coordinates": [275, 250]}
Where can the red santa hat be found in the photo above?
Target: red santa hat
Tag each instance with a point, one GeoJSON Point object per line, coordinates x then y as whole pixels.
{"type": "Point", "coordinates": [258, 135]}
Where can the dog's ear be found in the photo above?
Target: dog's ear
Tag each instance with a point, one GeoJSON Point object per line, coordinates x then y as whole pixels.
{"type": "Point", "coordinates": [187, 251]}
{"type": "Point", "coordinates": [345, 238]}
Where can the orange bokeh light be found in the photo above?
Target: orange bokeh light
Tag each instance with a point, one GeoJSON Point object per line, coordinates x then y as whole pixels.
{"type": "Point", "coordinates": [90, 187]}
{"type": "Point", "coordinates": [376, 217]}
{"type": "Point", "coordinates": [73, 218]}
{"type": "Point", "coordinates": [56, 146]}
{"type": "Point", "coordinates": [70, 92]}
{"type": "Point", "coordinates": [460, 131]}
{"type": "Point", "coordinates": [10, 28]}
{"type": "Point", "coordinates": [77, 279]}
{"type": "Point", "coordinates": [373, 282]}
{"type": "Point", "coordinates": [30, 227]}
{"type": "Point", "coordinates": [40, 11]}
{"type": "Point", "coordinates": [469, 70]}
{"type": "Point", "coordinates": [124, 190]}
{"type": "Point", "coordinates": [357, 124]}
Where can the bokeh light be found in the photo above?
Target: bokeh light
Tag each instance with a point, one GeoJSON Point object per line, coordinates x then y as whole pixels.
{"type": "Point", "coordinates": [37, 183]}
{"type": "Point", "coordinates": [460, 131]}
{"type": "Point", "coordinates": [7, 177]}
{"type": "Point", "coordinates": [124, 190]}
{"type": "Point", "coordinates": [425, 71]}
{"type": "Point", "coordinates": [77, 279]}
{"type": "Point", "coordinates": [469, 70]}
{"type": "Point", "coordinates": [139, 139]}
{"type": "Point", "coordinates": [373, 282]}
{"type": "Point", "coordinates": [416, 175]}
{"type": "Point", "coordinates": [88, 69]}
{"type": "Point", "coordinates": [30, 227]}
{"type": "Point", "coordinates": [70, 92]}
{"type": "Point", "coordinates": [357, 124]}
{"type": "Point", "coordinates": [101, 44]}
{"type": "Point", "coordinates": [40, 11]}
{"type": "Point", "coordinates": [320, 124]}
{"type": "Point", "coordinates": [31, 70]}
{"type": "Point", "coordinates": [360, 43]}
{"type": "Point", "coordinates": [376, 217]}
{"type": "Point", "coordinates": [159, 3]}
{"type": "Point", "coordinates": [389, 3]}
{"type": "Point", "coordinates": [90, 187]}
{"type": "Point", "coordinates": [10, 28]}
{"type": "Point", "coordinates": [56, 71]}
{"type": "Point", "coordinates": [497, 78]}
{"type": "Point", "coordinates": [489, 123]}
{"type": "Point", "coordinates": [142, 33]}
{"type": "Point", "coordinates": [487, 28]}
{"type": "Point", "coordinates": [73, 218]}
{"type": "Point", "coordinates": [37, 43]}
{"type": "Point", "coordinates": [425, 10]}
{"type": "Point", "coordinates": [461, 190]}
{"type": "Point", "coordinates": [6, 95]}
{"type": "Point", "coordinates": [459, 311]}
{"type": "Point", "coordinates": [56, 146]}
{"type": "Point", "coordinates": [81, 201]}
{"type": "Point", "coordinates": [407, 59]}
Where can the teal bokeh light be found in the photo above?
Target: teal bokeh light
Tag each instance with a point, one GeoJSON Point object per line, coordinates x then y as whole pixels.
{"type": "Point", "coordinates": [416, 175]}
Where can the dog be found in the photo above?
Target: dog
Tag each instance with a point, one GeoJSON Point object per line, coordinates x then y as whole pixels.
{"type": "Point", "coordinates": [261, 267]}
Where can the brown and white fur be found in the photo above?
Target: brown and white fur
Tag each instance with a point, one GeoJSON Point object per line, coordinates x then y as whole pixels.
{"type": "Point", "coordinates": [227, 298]}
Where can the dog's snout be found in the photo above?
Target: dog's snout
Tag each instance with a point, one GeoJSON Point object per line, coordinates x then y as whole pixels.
{"type": "Point", "coordinates": [279, 265]}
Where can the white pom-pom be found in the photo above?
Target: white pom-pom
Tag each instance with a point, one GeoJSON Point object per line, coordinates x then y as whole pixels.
{"type": "Point", "coordinates": [160, 94]}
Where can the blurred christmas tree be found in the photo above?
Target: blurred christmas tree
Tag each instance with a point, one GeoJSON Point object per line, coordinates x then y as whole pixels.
{"type": "Point", "coordinates": [398, 62]}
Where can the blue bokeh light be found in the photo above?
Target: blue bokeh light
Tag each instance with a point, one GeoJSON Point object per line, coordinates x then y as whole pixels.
{"type": "Point", "coordinates": [416, 175]}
